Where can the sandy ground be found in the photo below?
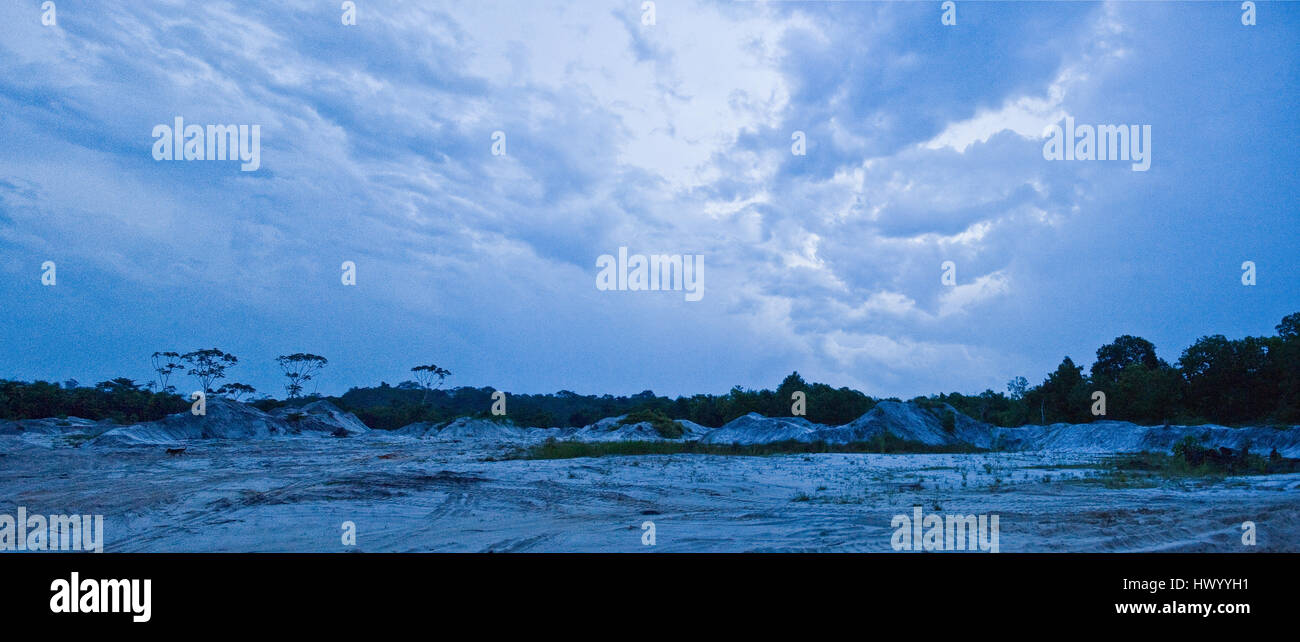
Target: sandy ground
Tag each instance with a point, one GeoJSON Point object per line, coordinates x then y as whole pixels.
{"type": "Point", "coordinates": [413, 495]}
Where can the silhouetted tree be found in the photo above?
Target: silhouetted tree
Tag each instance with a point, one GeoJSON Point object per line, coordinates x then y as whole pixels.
{"type": "Point", "coordinates": [208, 366]}
{"type": "Point", "coordinates": [1063, 396]}
{"type": "Point", "coordinates": [1124, 351]}
{"type": "Point", "coordinates": [235, 390]}
{"type": "Point", "coordinates": [120, 384]}
{"type": "Point", "coordinates": [165, 363]}
{"type": "Point", "coordinates": [1017, 388]}
{"type": "Point", "coordinates": [785, 391]}
{"type": "Point", "coordinates": [1289, 328]}
{"type": "Point", "coordinates": [425, 376]}
{"type": "Point", "coordinates": [300, 367]}
{"type": "Point", "coordinates": [1225, 378]}
{"type": "Point", "coordinates": [1284, 367]}
{"type": "Point", "coordinates": [1139, 386]}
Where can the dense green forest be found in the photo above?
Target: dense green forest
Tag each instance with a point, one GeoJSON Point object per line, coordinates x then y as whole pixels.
{"type": "Point", "coordinates": [1253, 380]}
{"type": "Point", "coordinates": [121, 400]}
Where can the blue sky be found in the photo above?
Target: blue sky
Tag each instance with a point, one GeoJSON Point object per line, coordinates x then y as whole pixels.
{"type": "Point", "coordinates": [924, 145]}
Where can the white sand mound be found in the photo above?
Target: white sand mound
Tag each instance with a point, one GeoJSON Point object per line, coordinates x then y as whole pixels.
{"type": "Point", "coordinates": [51, 426]}
{"type": "Point", "coordinates": [485, 431]}
{"type": "Point", "coordinates": [903, 420]}
{"type": "Point", "coordinates": [322, 417]}
{"type": "Point", "coordinates": [1122, 436]}
{"type": "Point", "coordinates": [469, 429]}
{"type": "Point", "coordinates": [224, 419]}
{"type": "Point", "coordinates": [754, 428]}
{"type": "Point", "coordinates": [417, 430]}
{"type": "Point", "coordinates": [694, 431]}
{"type": "Point", "coordinates": [611, 429]}
{"type": "Point", "coordinates": [911, 422]}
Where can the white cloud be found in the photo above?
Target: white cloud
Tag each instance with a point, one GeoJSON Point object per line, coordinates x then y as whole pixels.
{"type": "Point", "coordinates": [386, 161]}
{"type": "Point", "coordinates": [1026, 116]}
{"type": "Point", "coordinates": [984, 288]}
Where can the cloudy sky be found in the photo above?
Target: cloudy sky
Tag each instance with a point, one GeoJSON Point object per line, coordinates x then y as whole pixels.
{"type": "Point", "coordinates": [924, 145]}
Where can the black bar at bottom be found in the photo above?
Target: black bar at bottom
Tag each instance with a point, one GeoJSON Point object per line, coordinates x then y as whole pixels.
{"type": "Point", "coordinates": [944, 590]}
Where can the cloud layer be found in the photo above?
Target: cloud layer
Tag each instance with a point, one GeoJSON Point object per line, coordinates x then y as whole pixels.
{"type": "Point", "coordinates": [923, 146]}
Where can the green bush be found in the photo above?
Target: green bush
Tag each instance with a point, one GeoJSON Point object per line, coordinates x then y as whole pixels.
{"type": "Point", "coordinates": [1190, 458]}
{"type": "Point", "coordinates": [663, 425]}
{"type": "Point", "coordinates": [120, 400]}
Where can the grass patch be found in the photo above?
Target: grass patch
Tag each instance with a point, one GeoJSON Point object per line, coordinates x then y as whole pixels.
{"type": "Point", "coordinates": [78, 439]}
{"type": "Point", "coordinates": [485, 416]}
{"type": "Point", "coordinates": [1189, 460]}
{"type": "Point", "coordinates": [949, 422]}
{"type": "Point", "coordinates": [1222, 463]}
{"type": "Point", "coordinates": [553, 449]}
{"type": "Point", "coordinates": [663, 425]}
{"type": "Point", "coordinates": [1116, 478]}
{"type": "Point", "coordinates": [1049, 467]}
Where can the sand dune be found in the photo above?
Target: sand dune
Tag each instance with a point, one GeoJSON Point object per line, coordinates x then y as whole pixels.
{"type": "Point", "coordinates": [226, 419]}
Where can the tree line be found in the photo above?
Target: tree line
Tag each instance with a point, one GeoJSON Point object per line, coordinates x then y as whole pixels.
{"type": "Point", "coordinates": [1216, 379]}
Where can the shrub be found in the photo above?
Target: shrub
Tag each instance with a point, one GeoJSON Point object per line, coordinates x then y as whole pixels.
{"type": "Point", "coordinates": [949, 421]}
{"type": "Point", "coordinates": [665, 427]}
